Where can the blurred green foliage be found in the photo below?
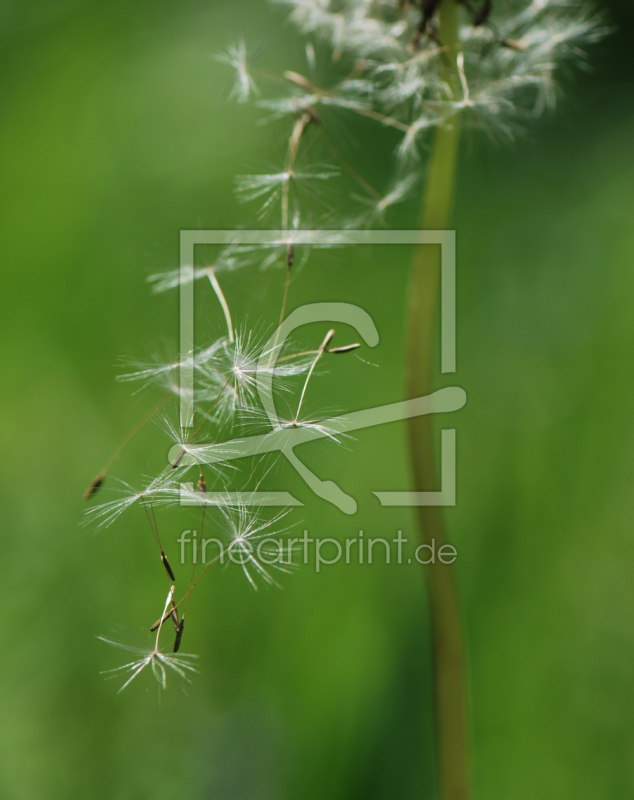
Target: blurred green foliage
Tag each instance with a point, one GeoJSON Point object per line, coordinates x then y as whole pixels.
{"type": "Point", "coordinates": [111, 141]}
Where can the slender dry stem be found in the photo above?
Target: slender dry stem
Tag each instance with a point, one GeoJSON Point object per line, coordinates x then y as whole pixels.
{"type": "Point", "coordinates": [448, 650]}
{"type": "Point", "coordinates": [221, 298]}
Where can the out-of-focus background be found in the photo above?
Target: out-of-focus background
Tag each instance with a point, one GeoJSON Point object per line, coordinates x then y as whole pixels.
{"type": "Point", "coordinates": [111, 141]}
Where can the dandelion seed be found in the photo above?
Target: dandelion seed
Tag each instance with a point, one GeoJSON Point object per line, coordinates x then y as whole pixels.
{"type": "Point", "coordinates": [106, 513]}
{"type": "Point", "coordinates": [408, 146]}
{"type": "Point", "coordinates": [315, 425]}
{"type": "Point", "coordinates": [94, 487]}
{"type": "Point", "coordinates": [187, 450]}
{"type": "Point", "coordinates": [237, 365]}
{"type": "Point", "coordinates": [179, 635]}
{"type": "Point", "coordinates": [159, 372]}
{"type": "Point", "coordinates": [243, 84]}
{"type": "Point", "coordinates": [161, 490]}
{"type": "Point", "coordinates": [247, 533]}
{"type": "Point", "coordinates": [271, 186]}
{"type": "Point", "coordinates": [280, 425]}
{"type": "Point", "coordinates": [159, 662]}
{"type": "Point", "coordinates": [166, 564]}
{"type": "Point", "coordinates": [227, 261]}
{"type": "Point", "coordinates": [348, 348]}
{"type": "Point", "coordinates": [400, 191]}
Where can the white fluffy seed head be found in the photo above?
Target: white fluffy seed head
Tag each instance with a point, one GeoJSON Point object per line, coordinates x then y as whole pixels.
{"type": "Point", "coordinates": [510, 61]}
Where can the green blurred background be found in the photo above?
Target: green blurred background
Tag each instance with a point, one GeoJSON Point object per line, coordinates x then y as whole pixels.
{"type": "Point", "coordinates": [111, 141]}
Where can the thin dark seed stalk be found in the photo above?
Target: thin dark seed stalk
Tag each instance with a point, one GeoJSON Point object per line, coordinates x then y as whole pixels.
{"type": "Point", "coordinates": [382, 118]}
{"type": "Point", "coordinates": [181, 625]}
{"type": "Point", "coordinates": [301, 123]}
{"type": "Point", "coordinates": [303, 83]}
{"type": "Point", "coordinates": [448, 648]}
{"type": "Point", "coordinates": [152, 523]}
{"type": "Point", "coordinates": [154, 526]}
{"type": "Point", "coordinates": [199, 579]}
{"type": "Point", "coordinates": [367, 187]}
{"type": "Point", "coordinates": [195, 564]}
{"type": "Point", "coordinates": [269, 76]}
{"type": "Point", "coordinates": [190, 589]}
{"type": "Point", "coordinates": [99, 479]}
{"type": "Point", "coordinates": [132, 431]}
{"type": "Point", "coordinates": [300, 126]}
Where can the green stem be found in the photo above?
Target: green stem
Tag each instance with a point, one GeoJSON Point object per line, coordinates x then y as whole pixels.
{"type": "Point", "coordinates": [448, 650]}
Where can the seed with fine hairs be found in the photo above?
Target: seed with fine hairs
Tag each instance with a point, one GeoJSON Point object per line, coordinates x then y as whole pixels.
{"type": "Point", "coordinates": [179, 635]}
{"type": "Point", "coordinates": [94, 486]}
{"type": "Point", "coordinates": [166, 564]}
{"type": "Point", "coordinates": [178, 459]}
{"type": "Point", "coordinates": [345, 349]}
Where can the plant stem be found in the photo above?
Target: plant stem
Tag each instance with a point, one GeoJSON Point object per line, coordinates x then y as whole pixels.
{"type": "Point", "coordinates": [448, 656]}
{"type": "Point", "coordinates": [320, 353]}
{"type": "Point", "coordinates": [221, 298]}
